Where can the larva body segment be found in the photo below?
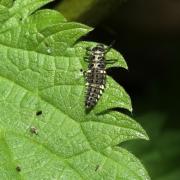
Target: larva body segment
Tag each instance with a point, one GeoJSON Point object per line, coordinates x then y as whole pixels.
{"type": "Point", "coordinates": [95, 75]}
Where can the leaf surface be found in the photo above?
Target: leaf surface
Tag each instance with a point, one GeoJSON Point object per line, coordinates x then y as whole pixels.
{"type": "Point", "coordinates": [45, 131]}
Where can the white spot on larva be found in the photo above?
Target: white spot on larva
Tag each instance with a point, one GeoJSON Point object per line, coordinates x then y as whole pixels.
{"type": "Point", "coordinates": [102, 71]}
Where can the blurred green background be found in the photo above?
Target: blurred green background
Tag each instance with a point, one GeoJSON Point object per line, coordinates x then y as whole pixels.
{"type": "Point", "coordinates": [147, 33]}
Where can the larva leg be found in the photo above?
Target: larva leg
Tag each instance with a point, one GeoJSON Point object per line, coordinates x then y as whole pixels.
{"type": "Point", "coordinates": [89, 49]}
{"type": "Point", "coordinates": [85, 74]}
{"type": "Point", "coordinates": [111, 61]}
{"type": "Point", "coordinates": [86, 59]}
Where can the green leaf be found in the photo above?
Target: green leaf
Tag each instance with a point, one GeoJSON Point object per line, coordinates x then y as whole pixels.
{"type": "Point", "coordinates": [6, 3]}
{"type": "Point", "coordinates": [45, 132]}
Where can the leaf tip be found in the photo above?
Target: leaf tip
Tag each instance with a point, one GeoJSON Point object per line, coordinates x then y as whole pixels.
{"type": "Point", "coordinates": [144, 135]}
{"type": "Point", "coordinates": [89, 29]}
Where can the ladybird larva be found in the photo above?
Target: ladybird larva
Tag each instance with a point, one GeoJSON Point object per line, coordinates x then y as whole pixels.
{"type": "Point", "coordinates": [96, 74]}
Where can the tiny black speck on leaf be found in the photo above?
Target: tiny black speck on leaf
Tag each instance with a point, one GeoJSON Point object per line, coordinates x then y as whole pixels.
{"type": "Point", "coordinates": [38, 113]}
{"type": "Point", "coordinates": [18, 169]}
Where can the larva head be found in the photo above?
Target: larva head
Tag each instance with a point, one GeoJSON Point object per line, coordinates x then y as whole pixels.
{"type": "Point", "coordinates": [98, 49]}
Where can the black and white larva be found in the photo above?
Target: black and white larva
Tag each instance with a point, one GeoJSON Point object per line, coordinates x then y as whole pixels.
{"type": "Point", "coordinates": [96, 74]}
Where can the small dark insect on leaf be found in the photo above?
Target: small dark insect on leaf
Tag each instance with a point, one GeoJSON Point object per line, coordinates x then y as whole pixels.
{"type": "Point", "coordinates": [34, 130]}
{"type": "Point", "coordinates": [18, 169]}
{"type": "Point", "coordinates": [38, 113]}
